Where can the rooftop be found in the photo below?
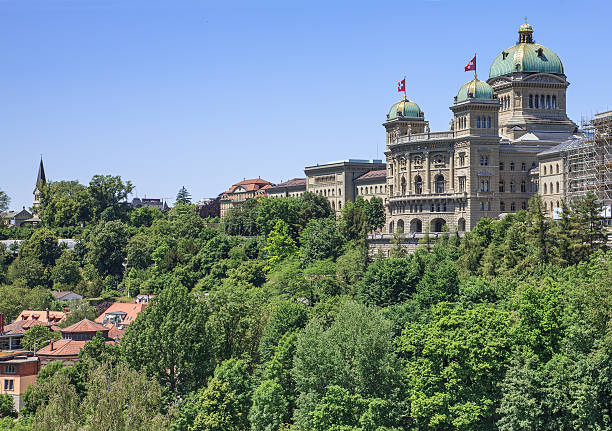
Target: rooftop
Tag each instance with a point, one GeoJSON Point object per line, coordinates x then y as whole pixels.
{"type": "Point", "coordinates": [381, 173]}
{"type": "Point", "coordinates": [85, 325]}
{"type": "Point", "coordinates": [131, 311]}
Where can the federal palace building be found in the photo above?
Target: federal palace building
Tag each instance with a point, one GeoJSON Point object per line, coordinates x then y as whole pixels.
{"type": "Point", "coordinates": [509, 139]}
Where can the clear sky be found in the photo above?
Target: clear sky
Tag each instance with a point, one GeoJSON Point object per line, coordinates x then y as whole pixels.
{"type": "Point", "coordinates": [206, 93]}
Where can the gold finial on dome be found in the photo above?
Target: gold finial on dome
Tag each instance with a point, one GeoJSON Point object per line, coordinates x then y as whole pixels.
{"type": "Point", "coordinates": [525, 32]}
{"type": "Point", "coordinates": [525, 19]}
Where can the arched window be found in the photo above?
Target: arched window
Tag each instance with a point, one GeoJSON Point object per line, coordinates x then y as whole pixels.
{"type": "Point", "coordinates": [557, 167]}
{"type": "Point", "coordinates": [545, 188]}
{"type": "Point", "coordinates": [484, 160]}
{"type": "Point", "coordinates": [478, 122]}
{"type": "Point", "coordinates": [542, 101]}
{"type": "Point", "coordinates": [418, 185]}
{"type": "Point", "coordinates": [544, 169]}
{"type": "Point", "coordinates": [416, 225]}
{"type": "Point", "coordinates": [551, 188]}
{"type": "Point", "coordinates": [548, 102]}
{"type": "Point", "coordinates": [531, 100]}
{"type": "Point", "coordinates": [333, 205]}
{"type": "Point", "coordinates": [537, 101]}
{"type": "Point", "coordinates": [551, 206]}
{"type": "Point", "coordinates": [403, 184]}
{"type": "Point", "coordinates": [339, 205]}
{"type": "Point", "coordinates": [484, 185]}
{"type": "Point", "coordinates": [461, 225]}
{"type": "Point", "coordinates": [481, 206]}
{"type": "Point", "coordinates": [512, 187]}
{"type": "Point", "coordinates": [523, 187]}
{"type": "Point", "coordinates": [488, 122]}
{"type": "Point", "coordinates": [400, 226]}
{"type": "Point", "coordinates": [439, 184]}
{"type": "Point", "coordinates": [502, 206]}
{"type": "Point", "coordinates": [501, 166]}
{"type": "Point", "coordinates": [523, 205]}
{"type": "Point", "coordinates": [501, 186]}
{"type": "Point", "coordinates": [557, 204]}
{"type": "Point", "coordinates": [512, 206]}
{"type": "Point", "coordinates": [511, 166]}
{"type": "Point", "coordinates": [523, 167]}
{"type": "Point", "coordinates": [557, 188]}
{"type": "Point", "coordinates": [391, 227]}
{"type": "Point", "coordinates": [554, 102]}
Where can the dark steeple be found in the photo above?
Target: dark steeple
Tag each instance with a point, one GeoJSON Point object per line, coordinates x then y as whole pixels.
{"type": "Point", "coordinates": [42, 179]}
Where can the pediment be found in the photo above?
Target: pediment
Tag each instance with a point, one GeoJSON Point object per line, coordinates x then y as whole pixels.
{"type": "Point", "coordinates": [544, 78]}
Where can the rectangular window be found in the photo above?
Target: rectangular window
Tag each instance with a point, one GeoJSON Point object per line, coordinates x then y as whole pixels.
{"type": "Point", "coordinates": [8, 385]}
{"type": "Point", "coordinates": [9, 369]}
{"type": "Point", "coordinates": [462, 159]}
{"type": "Point", "coordinates": [461, 184]}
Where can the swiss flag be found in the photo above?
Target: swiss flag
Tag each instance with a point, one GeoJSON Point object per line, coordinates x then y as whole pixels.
{"type": "Point", "coordinates": [471, 64]}
{"type": "Point", "coordinates": [401, 86]}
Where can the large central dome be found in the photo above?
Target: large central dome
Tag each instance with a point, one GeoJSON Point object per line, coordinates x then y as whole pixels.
{"type": "Point", "coordinates": [526, 56]}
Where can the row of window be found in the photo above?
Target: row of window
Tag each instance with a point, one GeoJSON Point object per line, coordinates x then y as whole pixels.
{"type": "Point", "coordinates": [546, 189]}
{"type": "Point", "coordinates": [542, 102]}
{"type": "Point", "coordinates": [329, 192]}
{"type": "Point", "coordinates": [502, 206]}
{"type": "Point", "coordinates": [439, 184]}
{"type": "Point", "coordinates": [9, 385]}
{"type": "Point", "coordinates": [551, 169]}
{"type": "Point", "coordinates": [481, 122]}
{"type": "Point", "coordinates": [371, 190]}
{"type": "Point", "coordinates": [505, 103]}
{"type": "Point", "coordinates": [502, 187]}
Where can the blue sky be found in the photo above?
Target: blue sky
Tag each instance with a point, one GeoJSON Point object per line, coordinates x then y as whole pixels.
{"type": "Point", "coordinates": [206, 93]}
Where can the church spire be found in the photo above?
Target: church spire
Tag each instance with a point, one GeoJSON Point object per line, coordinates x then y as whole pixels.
{"type": "Point", "coordinates": [41, 180]}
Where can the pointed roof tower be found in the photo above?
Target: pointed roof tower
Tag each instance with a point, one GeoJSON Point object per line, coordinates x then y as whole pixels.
{"type": "Point", "coordinates": [41, 180]}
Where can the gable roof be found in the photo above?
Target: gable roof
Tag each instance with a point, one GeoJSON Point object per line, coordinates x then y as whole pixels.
{"type": "Point", "coordinates": [85, 325]}
{"type": "Point", "coordinates": [250, 185]}
{"type": "Point", "coordinates": [41, 316]}
{"type": "Point", "coordinates": [131, 310]}
{"type": "Point", "coordinates": [60, 294]}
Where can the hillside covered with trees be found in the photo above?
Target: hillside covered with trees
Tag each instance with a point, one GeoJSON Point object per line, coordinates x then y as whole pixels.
{"type": "Point", "coordinates": [279, 319]}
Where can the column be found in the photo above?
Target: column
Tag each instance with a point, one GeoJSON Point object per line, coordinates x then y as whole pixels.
{"type": "Point", "coordinates": [451, 155]}
{"type": "Point", "coordinates": [409, 182]}
{"type": "Point", "coordinates": [427, 173]}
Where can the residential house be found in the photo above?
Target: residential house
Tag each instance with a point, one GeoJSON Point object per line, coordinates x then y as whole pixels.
{"type": "Point", "coordinates": [73, 340]}
{"type": "Point", "coordinates": [66, 296]}
{"type": "Point", "coordinates": [121, 314]}
{"type": "Point", "coordinates": [18, 370]}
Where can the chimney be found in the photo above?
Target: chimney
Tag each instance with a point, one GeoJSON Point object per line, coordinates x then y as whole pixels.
{"type": "Point", "coordinates": [1, 323]}
{"type": "Point", "coordinates": [47, 310]}
{"type": "Point", "coordinates": [51, 345]}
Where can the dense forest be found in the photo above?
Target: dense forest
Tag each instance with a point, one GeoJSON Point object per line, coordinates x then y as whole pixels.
{"type": "Point", "coordinates": [279, 319]}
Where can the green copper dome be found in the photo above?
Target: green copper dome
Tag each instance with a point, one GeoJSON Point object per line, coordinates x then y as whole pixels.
{"type": "Point", "coordinates": [404, 108]}
{"type": "Point", "coordinates": [526, 56]}
{"type": "Point", "coordinates": [475, 89]}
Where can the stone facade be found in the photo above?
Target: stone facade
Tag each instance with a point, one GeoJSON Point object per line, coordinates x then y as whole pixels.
{"type": "Point", "coordinates": [336, 180]}
{"type": "Point", "coordinates": [240, 192]}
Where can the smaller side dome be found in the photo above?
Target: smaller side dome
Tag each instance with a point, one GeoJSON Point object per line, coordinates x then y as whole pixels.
{"type": "Point", "coordinates": [404, 109]}
{"type": "Point", "coordinates": [475, 89]}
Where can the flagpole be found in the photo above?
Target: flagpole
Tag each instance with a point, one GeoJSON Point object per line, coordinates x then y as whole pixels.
{"type": "Point", "coordinates": [405, 98]}
{"type": "Point", "coordinates": [475, 66]}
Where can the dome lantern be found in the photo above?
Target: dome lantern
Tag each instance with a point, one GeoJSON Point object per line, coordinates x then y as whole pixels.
{"type": "Point", "coordinates": [525, 33]}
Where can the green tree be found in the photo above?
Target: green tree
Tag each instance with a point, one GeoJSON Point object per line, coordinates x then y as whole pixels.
{"type": "Point", "coordinates": [287, 316]}
{"type": "Point", "coordinates": [353, 224]}
{"type": "Point", "coordinates": [587, 215]}
{"type": "Point", "coordinates": [270, 407]}
{"type": "Point", "coordinates": [539, 230]}
{"type": "Point", "coordinates": [13, 300]}
{"type": "Point", "coordinates": [42, 245]}
{"type": "Point", "coordinates": [170, 340]}
{"type": "Point", "coordinates": [38, 334]}
{"type": "Point", "coordinates": [4, 201]}
{"type": "Point", "coordinates": [6, 406]}
{"type": "Point", "coordinates": [227, 399]}
{"type": "Point", "coordinates": [279, 244]}
{"type": "Point", "coordinates": [183, 197]}
{"type": "Point", "coordinates": [390, 281]}
{"type": "Point", "coordinates": [355, 353]}
{"type": "Point", "coordinates": [374, 213]}
{"type": "Point", "coordinates": [454, 363]}
{"type": "Point", "coordinates": [144, 216]}
{"type": "Point", "coordinates": [66, 271]}
{"type": "Point", "coordinates": [64, 203]}
{"type": "Point", "coordinates": [106, 248]}
{"type": "Point", "coordinates": [242, 219]}
{"type": "Point", "coordinates": [138, 251]}
{"type": "Point", "coordinates": [320, 240]}
{"type": "Point", "coordinates": [108, 192]}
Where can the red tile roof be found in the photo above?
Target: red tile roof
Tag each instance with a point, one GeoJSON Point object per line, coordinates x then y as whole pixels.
{"type": "Point", "coordinates": [131, 311]}
{"type": "Point", "coordinates": [250, 185]}
{"type": "Point", "coordinates": [20, 326]}
{"type": "Point", "coordinates": [114, 332]}
{"type": "Point", "coordinates": [85, 325]}
{"type": "Point", "coordinates": [372, 174]}
{"type": "Point", "coordinates": [65, 348]}
{"type": "Point", "coordinates": [41, 315]}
